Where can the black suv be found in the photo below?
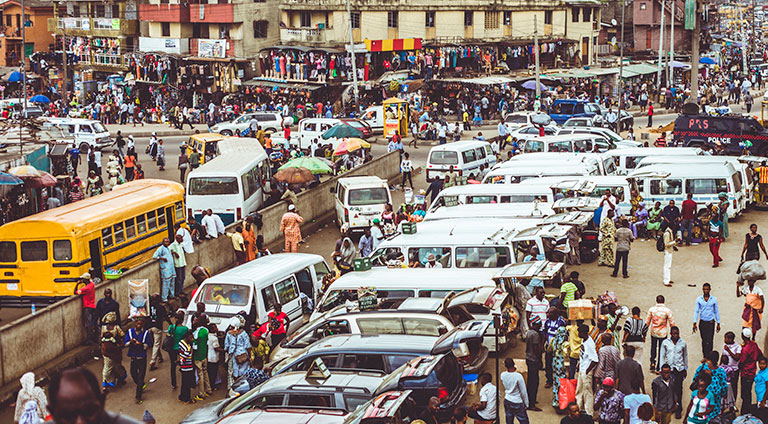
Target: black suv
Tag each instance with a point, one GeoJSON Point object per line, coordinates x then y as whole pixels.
{"type": "Point", "coordinates": [728, 131]}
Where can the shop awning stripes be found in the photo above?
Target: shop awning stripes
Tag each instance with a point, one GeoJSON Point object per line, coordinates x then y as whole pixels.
{"type": "Point", "coordinates": [393, 44]}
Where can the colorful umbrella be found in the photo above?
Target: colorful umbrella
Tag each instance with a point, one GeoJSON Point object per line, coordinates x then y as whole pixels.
{"type": "Point", "coordinates": [295, 175]}
{"type": "Point", "coordinates": [15, 76]}
{"type": "Point", "coordinates": [313, 164]}
{"type": "Point", "coordinates": [44, 180]}
{"type": "Point", "coordinates": [39, 99]}
{"type": "Point", "coordinates": [350, 145]}
{"type": "Point", "coordinates": [341, 131]}
{"type": "Point", "coordinates": [8, 179]}
{"type": "Point", "coordinates": [531, 85]}
{"type": "Point", "coordinates": [25, 171]}
{"type": "Point", "coordinates": [707, 60]}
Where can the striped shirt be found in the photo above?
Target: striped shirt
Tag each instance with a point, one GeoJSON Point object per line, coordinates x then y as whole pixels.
{"type": "Point", "coordinates": [570, 292]}
{"type": "Point", "coordinates": [185, 356]}
{"type": "Point", "coordinates": [636, 329]}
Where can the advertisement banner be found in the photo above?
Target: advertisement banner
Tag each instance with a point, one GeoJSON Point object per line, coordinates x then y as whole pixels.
{"type": "Point", "coordinates": [212, 48]}
{"type": "Point", "coordinates": [116, 24]}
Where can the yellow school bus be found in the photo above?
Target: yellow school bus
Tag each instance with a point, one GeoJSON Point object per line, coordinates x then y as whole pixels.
{"type": "Point", "coordinates": [42, 255]}
{"type": "Point", "coordinates": [205, 144]}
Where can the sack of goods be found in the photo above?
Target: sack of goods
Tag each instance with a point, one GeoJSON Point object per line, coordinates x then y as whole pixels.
{"type": "Point", "coordinates": [752, 270]}
{"type": "Point", "coordinates": [581, 309]}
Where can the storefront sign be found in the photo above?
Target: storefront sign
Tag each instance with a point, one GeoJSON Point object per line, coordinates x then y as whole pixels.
{"type": "Point", "coordinates": [212, 48]}
{"type": "Point", "coordinates": [690, 14]}
{"type": "Point", "coordinates": [116, 24]}
{"type": "Point", "coordinates": [170, 43]}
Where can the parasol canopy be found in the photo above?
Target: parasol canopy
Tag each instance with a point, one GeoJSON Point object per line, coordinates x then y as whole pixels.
{"type": "Point", "coordinates": [531, 85]}
{"type": "Point", "coordinates": [313, 164]}
{"type": "Point", "coordinates": [707, 60]}
{"type": "Point", "coordinates": [25, 171]}
{"type": "Point", "coordinates": [39, 99]}
{"type": "Point", "coordinates": [8, 179]}
{"type": "Point", "coordinates": [350, 145]}
{"type": "Point", "coordinates": [44, 180]}
{"type": "Point", "coordinates": [341, 131]}
{"type": "Point", "coordinates": [295, 175]}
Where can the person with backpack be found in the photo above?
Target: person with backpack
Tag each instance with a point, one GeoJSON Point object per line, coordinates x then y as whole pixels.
{"type": "Point", "coordinates": [278, 324]}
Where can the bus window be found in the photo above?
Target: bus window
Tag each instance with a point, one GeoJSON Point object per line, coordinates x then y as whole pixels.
{"type": "Point", "coordinates": [7, 251]}
{"type": "Point", "coordinates": [160, 218]}
{"type": "Point", "coordinates": [130, 228]}
{"type": "Point", "coordinates": [62, 250]}
{"type": "Point", "coordinates": [669, 186]}
{"type": "Point", "coordinates": [706, 185]}
{"type": "Point", "coordinates": [106, 237]}
{"type": "Point", "coordinates": [179, 210]}
{"type": "Point", "coordinates": [34, 251]}
{"type": "Point", "coordinates": [119, 234]}
{"type": "Point", "coordinates": [482, 257]}
{"type": "Point", "coordinates": [151, 223]}
{"type": "Point", "coordinates": [141, 224]}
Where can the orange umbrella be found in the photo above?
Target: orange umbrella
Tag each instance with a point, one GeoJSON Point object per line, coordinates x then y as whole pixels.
{"type": "Point", "coordinates": [295, 175]}
{"type": "Point", "coordinates": [350, 145]}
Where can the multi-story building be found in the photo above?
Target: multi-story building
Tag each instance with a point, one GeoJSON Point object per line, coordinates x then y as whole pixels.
{"type": "Point", "coordinates": [567, 29]}
{"type": "Point", "coordinates": [38, 38]}
{"type": "Point", "coordinates": [96, 35]}
{"type": "Point", "coordinates": [647, 25]}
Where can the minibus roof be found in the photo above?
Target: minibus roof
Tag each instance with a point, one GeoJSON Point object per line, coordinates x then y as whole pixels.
{"type": "Point", "coordinates": [266, 268]}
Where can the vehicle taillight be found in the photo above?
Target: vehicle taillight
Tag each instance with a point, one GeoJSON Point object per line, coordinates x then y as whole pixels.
{"type": "Point", "coordinates": [239, 214]}
{"type": "Point", "coordinates": [442, 394]}
{"type": "Point", "coordinates": [346, 214]}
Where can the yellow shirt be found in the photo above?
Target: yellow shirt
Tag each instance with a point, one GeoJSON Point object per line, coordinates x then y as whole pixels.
{"type": "Point", "coordinates": [237, 241]}
{"type": "Point", "coordinates": [574, 341]}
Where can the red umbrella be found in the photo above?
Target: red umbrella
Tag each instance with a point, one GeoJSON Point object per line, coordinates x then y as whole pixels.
{"type": "Point", "coordinates": [44, 180]}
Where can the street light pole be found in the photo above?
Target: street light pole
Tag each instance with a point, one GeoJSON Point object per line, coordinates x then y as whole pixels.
{"type": "Point", "coordinates": [621, 60]}
{"type": "Point", "coordinates": [695, 57]}
{"type": "Point", "coordinates": [354, 59]}
{"type": "Point", "coordinates": [661, 45]}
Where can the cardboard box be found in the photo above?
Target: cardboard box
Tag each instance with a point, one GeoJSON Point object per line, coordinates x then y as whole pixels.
{"type": "Point", "coordinates": [361, 264]}
{"type": "Point", "coordinates": [522, 368]}
{"type": "Point", "coordinates": [581, 309]}
{"type": "Point", "coordinates": [409, 227]}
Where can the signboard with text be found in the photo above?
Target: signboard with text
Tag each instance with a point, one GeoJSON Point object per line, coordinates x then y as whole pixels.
{"type": "Point", "coordinates": [212, 48]}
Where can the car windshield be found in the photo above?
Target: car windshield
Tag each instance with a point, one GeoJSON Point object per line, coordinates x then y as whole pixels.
{"type": "Point", "coordinates": [517, 119]}
{"type": "Point", "coordinates": [212, 186]}
{"type": "Point", "coordinates": [224, 294]}
{"type": "Point", "coordinates": [368, 196]}
{"type": "Point", "coordinates": [444, 158]}
{"type": "Point", "coordinates": [99, 127]}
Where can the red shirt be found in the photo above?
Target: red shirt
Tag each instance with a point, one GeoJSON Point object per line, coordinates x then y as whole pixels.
{"type": "Point", "coordinates": [748, 359]}
{"type": "Point", "coordinates": [89, 295]}
{"type": "Point", "coordinates": [281, 317]}
{"type": "Point", "coordinates": [287, 132]}
{"type": "Point", "coordinates": [689, 209]}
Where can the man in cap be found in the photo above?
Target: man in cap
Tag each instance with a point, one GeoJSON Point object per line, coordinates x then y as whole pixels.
{"type": "Point", "coordinates": [750, 353]}
{"type": "Point", "coordinates": [432, 262]}
{"type": "Point", "coordinates": [376, 233]}
{"type": "Point", "coordinates": [609, 402]}
{"type": "Point", "coordinates": [533, 350]}
{"type": "Point", "coordinates": [153, 146]}
{"type": "Point", "coordinates": [88, 291]}
{"type": "Point", "coordinates": [290, 227]}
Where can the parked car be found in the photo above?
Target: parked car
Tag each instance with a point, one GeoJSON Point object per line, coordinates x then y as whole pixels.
{"type": "Point", "coordinates": [341, 390]}
{"type": "Point", "coordinates": [386, 352]}
{"type": "Point", "coordinates": [565, 109]}
{"type": "Point", "coordinates": [517, 120]}
{"type": "Point", "coordinates": [268, 121]}
{"type": "Point", "coordinates": [583, 122]}
{"type": "Point", "coordinates": [395, 407]}
{"type": "Point", "coordinates": [626, 120]}
{"type": "Point", "coordinates": [529, 132]}
{"type": "Point", "coordinates": [359, 125]}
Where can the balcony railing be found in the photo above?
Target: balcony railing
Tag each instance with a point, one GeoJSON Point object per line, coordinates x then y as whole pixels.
{"type": "Point", "coordinates": [102, 59]}
{"type": "Point", "coordinates": [75, 23]}
{"type": "Point", "coordinates": [303, 35]}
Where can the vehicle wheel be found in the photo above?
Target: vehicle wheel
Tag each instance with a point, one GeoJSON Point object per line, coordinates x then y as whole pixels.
{"type": "Point", "coordinates": [84, 148]}
{"type": "Point", "coordinates": [226, 133]}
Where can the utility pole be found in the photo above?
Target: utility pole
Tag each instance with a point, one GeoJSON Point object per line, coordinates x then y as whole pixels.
{"type": "Point", "coordinates": [64, 77]}
{"type": "Point", "coordinates": [354, 59]}
{"type": "Point", "coordinates": [661, 45]}
{"type": "Point", "coordinates": [23, 73]}
{"type": "Point", "coordinates": [621, 60]}
{"type": "Point", "coordinates": [744, 69]}
{"type": "Point", "coordinates": [535, 53]}
{"type": "Point", "coordinates": [695, 57]}
{"type": "Point", "coordinates": [671, 67]}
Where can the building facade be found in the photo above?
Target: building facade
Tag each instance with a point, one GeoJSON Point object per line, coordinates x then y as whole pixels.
{"type": "Point", "coordinates": [647, 25]}
{"type": "Point", "coordinates": [38, 38]}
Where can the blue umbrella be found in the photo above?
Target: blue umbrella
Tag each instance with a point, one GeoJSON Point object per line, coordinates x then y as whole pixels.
{"type": "Point", "coordinates": [8, 179]}
{"type": "Point", "coordinates": [39, 99]}
{"type": "Point", "coordinates": [342, 131]}
{"type": "Point", "coordinates": [531, 85]}
{"type": "Point", "coordinates": [15, 76]}
{"type": "Point", "coordinates": [707, 60]}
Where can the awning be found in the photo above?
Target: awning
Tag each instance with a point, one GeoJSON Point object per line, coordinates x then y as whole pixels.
{"type": "Point", "coordinates": [630, 71]}
{"type": "Point", "coordinates": [303, 49]}
{"type": "Point", "coordinates": [583, 73]}
{"type": "Point", "coordinates": [272, 83]}
{"type": "Point", "coordinates": [393, 44]}
{"type": "Point", "coordinates": [489, 80]}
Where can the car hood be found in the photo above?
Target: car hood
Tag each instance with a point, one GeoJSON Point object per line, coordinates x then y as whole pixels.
{"type": "Point", "coordinates": [466, 332]}
{"type": "Point", "coordinates": [206, 414]}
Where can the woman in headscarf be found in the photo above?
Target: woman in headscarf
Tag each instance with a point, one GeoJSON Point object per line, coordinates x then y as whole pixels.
{"type": "Point", "coordinates": [30, 393]}
{"type": "Point", "coordinates": [640, 218]}
{"type": "Point", "coordinates": [557, 347]}
{"type": "Point", "coordinates": [752, 316]}
{"type": "Point", "coordinates": [236, 346]}
{"type": "Point", "coordinates": [607, 239]}
{"type": "Point", "coordinates": [249, 238]}
{"type": "Point", "coordinates": [723, 208]}
{"type": "Point", "coordinates": [654, 220]}
{"type": "Point", "coordinates": [718, 386]}
{"type": "Point", "coordinates": [346, 255]}
{"type": "Point", "coordinates": [112, 337]}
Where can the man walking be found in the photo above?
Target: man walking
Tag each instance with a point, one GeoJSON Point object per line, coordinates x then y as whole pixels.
{"type": "Point", "coordinates": [688, 216]}
{"type": "Point", "coordinates": [624, 238]}
{"type": "Point", "coordinates": [138, 340]}
{"type": "Point", "coordinates": [533, 348]}
{"type": "Point", "coordinates": [290, 227]}
{"type": "Point", "coordinates": [107, 305]}
{"type": "Point", "coordinates": [179, 264]}
{"type": "Point", "coordinates": [750, 353]}
{"type": "Point", "coordinates": [585, 396]}
{"type": "Point", "coordinates": [406, 166]}
{"type": "Point", "coordinates": [200, 357]}
{"type": "Point", "coordinates": [167, 270]}
{"type": "Point", "coordinates": [157, 316]}
{"type": "Point", "coordinates": [674, 352]}
{"type": "Point", "coordinates": [629, 372]}
{"type": "Point", "coordinates": [707, 314]}
{"type": "Point", "coordinates": [515, 394]}
{"type": "Point", "coordinates": [669, 247]}
{"type": "Point", "coordinates": [659, 319]}
{"type": "Point", "coordinates": [663, 396]}
{"type": "Point", "coordinates": [88, 291]}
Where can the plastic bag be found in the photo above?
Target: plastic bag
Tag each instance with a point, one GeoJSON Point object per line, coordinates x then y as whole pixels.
{"type": "Point", "coordinates": [566, 393]}
{"type": "Point", "coordinates": [752, 270]}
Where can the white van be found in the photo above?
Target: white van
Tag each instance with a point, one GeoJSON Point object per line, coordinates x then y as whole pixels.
{"type": "Point", "coordinates": [374, 116]}
{"type": "Point", "coordinates": [530, 211]}
{"type": "Point", "coordinates": [464, 156]}
{"type": "Point", "coordinates": [746, 173]}
{"type": "Point", "coordinates": [621, 187]}
{"type": "Point", "coordinates": [308, 129]}
{"type": "Point", "coordinates": [517, 174]}
{"type": "Point", "coordinates": [664, 183]}
{"type": "Point", "coordinates": [257, 286]}
{"type": "Point", "coordinates": [232, 183]}
{"type": "Point", "coordinates": [584, 143]}
{"type": "Point", "coordinates": [600, 160]}
{"type": "Point", "coordinates": [88, 133]}
{"type": "Point", "coordinates": [626, 160]}
{"type": "Point", "coordinates": [359, 200]}
{"type": "Point", "coordinates": [472, 194]}
{"type": "Point", "coordinates": [455, 243]}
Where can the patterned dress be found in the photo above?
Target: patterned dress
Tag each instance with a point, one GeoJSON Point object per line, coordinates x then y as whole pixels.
{"type": "Point", "coordinates": [608, 237]}
{"type": "Point", "coordinates": [718, 388]}
{"type": "Point", "coordinates": [557, 346]}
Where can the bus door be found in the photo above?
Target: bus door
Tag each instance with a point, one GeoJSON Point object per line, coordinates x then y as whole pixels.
{"type": "Point", "coordinates": [170, 220]}
{"type": "Point", "coordinates": [94, 246]}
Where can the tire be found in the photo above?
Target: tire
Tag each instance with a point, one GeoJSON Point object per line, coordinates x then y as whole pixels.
{"type": "Point", "coordinates": [84, 148]}
{"type": "Point", "coordinates": [226, 133]}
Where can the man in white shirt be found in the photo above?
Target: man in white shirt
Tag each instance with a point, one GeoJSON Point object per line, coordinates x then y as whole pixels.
{"type": "Point", "coordinates": [432, 263]}
{"type": "Point", "coordinates": [406, 166]}
{"type": "Point", "coordinates": [376, 233]}
{"type": "Point", "coordinates": [212, 224]}
{"type": "Point", "coordinates": [611, 117]}
{"type": "Point", "coordinates": [515, 394]}
{"type": "Point", "coordinates": [585, 396]}
{"type": "Point", "coordinates": [607, 202]}
{"type": "Point", "coordinates": [186, 242]}
{"type": "Point", "coordinates": [537, 305]}
{"type": "Point", "coordinates": [486, 409]}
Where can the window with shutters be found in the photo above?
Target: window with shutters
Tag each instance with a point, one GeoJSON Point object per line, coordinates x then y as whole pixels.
{"type": "Point", "coordinates": [392, 18]}
{"type": "Point", "coordinates": [429, 19]}
{"type": "Point", "coordinates": [260, 29]}
{"type": "Point", "coordinates": [491, 20]}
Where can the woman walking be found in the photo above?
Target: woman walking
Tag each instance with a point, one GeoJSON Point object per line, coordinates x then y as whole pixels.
{"type": "Point", "coordinates": [236, 346]}
{"type": "Point", "coordinates": [715, 236]}
{"type": "Point", "coordinates": [607, 240]}
{"type": "Point", "coordinates": [752, 242]}
{"type": "Point", "coordinates": [177, 331]}
{"type": "Point", "coordinates": [723, 208]}
{"type": "Point", "coordinates": [702, 403]}
{"type": "Point", "coordinates": [718, 386]}
{"type": "Point", "coordinates": [557, 346]}
{"type": "Point", "coordinates": [754, 303]}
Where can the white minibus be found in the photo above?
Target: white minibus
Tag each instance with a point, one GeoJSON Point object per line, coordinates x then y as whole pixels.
{"type": "Point", "coordinates": [464, 156]}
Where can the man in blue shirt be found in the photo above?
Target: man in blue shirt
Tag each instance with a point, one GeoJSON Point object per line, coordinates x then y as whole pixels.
{"type": "Point", "coordinates": [138, 340]}
{"type": "Point", "coordinates": [707, 314]}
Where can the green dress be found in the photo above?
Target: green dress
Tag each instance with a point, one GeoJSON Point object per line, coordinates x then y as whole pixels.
{"type": "Point", "coordinates": [654, 219]}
